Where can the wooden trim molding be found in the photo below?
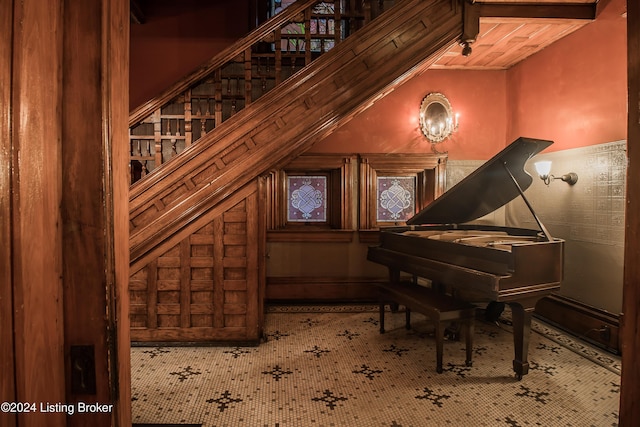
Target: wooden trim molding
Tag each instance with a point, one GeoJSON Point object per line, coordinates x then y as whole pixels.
{"type": "Point", "coordinates": [591, 324]}
{"type": "Point", "coordinates": [334, 236]}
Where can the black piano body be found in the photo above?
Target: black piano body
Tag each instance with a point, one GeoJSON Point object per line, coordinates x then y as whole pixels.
{"type": "Point", "coordinates": [481, 263]}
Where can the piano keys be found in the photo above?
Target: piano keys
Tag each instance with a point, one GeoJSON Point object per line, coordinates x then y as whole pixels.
{"type": "Point", "coordinates": [481, 263]}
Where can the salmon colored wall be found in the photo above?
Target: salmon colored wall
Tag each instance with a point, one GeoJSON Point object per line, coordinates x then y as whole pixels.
{"type": "Point", "coordinates": [391, 124]}
{"type": "Point", "coordinates": [574, 92]}
{"type": "Point", "coordinates": [176, 40]}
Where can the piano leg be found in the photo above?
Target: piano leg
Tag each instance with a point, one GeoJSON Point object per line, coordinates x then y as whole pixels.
{"type": "Point", "coordinates": [521, 318]}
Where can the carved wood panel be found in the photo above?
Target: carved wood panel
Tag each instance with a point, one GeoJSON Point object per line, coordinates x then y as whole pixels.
{"type": "Point", "coordinates": [207, 286]}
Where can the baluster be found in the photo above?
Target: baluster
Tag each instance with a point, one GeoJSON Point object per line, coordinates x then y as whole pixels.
{"type": "Point", "coordinates": [144, 171]}
{"type": "Point", "coordinates": [248, 70]}
{"type": "Point", "coordinates": [218, 97]}
{"type": "Point", "coordinates": [337, 24]}
{"type": "Point", "coordinates": [174, 151]}
{"type": "Point", "coordinates": [278, 55]}
{"type": "Point", "coordinates": [157, 151]}
{"type": "Point", "coordinates": [307, 37]}
{"type": "Point", "coordinates": [186, 124]}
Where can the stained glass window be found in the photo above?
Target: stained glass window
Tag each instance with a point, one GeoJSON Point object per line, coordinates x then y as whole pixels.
{"type": "Point", "coordinates": [396, 198]}
{"type": "Point", "coordinates": [306, 198]}
{"type": "Point", "coordinates": [322, 25]}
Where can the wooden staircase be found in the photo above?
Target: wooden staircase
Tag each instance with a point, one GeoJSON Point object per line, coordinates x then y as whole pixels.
{"type": "Point", "coordinates": [192, 199]}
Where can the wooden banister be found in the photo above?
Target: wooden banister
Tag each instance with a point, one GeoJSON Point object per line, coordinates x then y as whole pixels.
{"type": "Point", "coordinates": [176, 199]}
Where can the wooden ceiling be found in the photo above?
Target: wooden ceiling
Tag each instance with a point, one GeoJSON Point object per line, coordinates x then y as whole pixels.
{"type": "Point", "coordinates": [527, 27]}
{"type": "Point", "coordinates": [510, 30]}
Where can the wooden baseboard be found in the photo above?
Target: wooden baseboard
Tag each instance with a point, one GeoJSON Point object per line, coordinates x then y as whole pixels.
{"type": "Point", "coordinates": [323, 289]}
{"type": "Point", "coordinates": [594, 325]}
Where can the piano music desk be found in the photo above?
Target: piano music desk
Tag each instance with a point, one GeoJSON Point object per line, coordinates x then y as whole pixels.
{"type": "Point", "coordinates": [438, 307]}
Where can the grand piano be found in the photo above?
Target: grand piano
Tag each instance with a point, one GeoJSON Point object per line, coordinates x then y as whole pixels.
{"type": "Point", "coordinates": [481, 263]}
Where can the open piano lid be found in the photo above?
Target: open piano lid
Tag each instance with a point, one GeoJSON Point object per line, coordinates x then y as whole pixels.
{"type": "Point", "coordinates": [486, 189]}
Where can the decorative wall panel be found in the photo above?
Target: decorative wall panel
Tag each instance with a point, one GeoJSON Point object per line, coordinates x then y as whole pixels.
{"type": "Point", "coordinates": [396, 198]}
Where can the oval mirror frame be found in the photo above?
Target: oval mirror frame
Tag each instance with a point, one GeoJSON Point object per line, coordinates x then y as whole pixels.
{"type": "Point", "coordinates": [436, 117]}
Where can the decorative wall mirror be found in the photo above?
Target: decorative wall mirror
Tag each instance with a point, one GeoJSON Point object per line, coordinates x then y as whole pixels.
{"type": "Point", "coordinates": [437, 121]}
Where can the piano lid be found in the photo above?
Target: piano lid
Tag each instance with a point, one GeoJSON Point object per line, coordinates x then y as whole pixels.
{"type": "Point", "coordinates": [486, 189]}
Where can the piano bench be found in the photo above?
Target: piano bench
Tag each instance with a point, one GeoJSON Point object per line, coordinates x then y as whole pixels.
{"type": "Point", "coordinates": [438, 307]}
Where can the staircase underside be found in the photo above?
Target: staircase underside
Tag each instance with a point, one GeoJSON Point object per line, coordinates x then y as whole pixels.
{"type": "Point", "coordinates": [177, 198]}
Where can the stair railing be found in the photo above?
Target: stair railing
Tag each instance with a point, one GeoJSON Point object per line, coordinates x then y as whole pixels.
{"type": "Point", "coordinates": [163, 127]}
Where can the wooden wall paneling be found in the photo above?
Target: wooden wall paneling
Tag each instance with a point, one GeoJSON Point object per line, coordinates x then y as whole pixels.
{"type": "Point", "coordinates": [151, 315]}
{"type": "Point", "coordinates": [169, 274]}
{"type": "Point", "coordinates": [234, 266]}
{"type": "Point", "coordinates": [7, 362]}
{"type": "Point", "coordinates": [218, 273]}
{"type": "Point", "coordinates": [138, 298]}
{"type": "Point", "coordinates": [253, 249]}
{"type": "Point", "coordinates": [207, 287]}
{"type": "Point", "coordinates": [202, 299]}
{"type": "Point", "coordinates": [185, 283]}
{"type": "Point", "coordinates": [630, 319]}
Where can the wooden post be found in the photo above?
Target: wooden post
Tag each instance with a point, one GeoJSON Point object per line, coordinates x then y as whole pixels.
{"type": "Point", "coordinates": [630, 324]}
{"type": "Point", "coordinates": [64, 211]}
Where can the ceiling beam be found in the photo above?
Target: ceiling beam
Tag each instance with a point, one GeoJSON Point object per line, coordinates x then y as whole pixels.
{"type": "Point", "coordinates": [537, 10]}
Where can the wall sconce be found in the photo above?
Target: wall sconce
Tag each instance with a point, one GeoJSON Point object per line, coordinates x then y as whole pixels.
{"type": "Point", "coordinates": [437, 121]}
{"type": "Point", "coordinates": [544, 171]}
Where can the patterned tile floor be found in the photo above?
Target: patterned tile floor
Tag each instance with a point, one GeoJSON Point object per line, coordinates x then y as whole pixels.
{"type": "Point", "coordinates": [323, 367]}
